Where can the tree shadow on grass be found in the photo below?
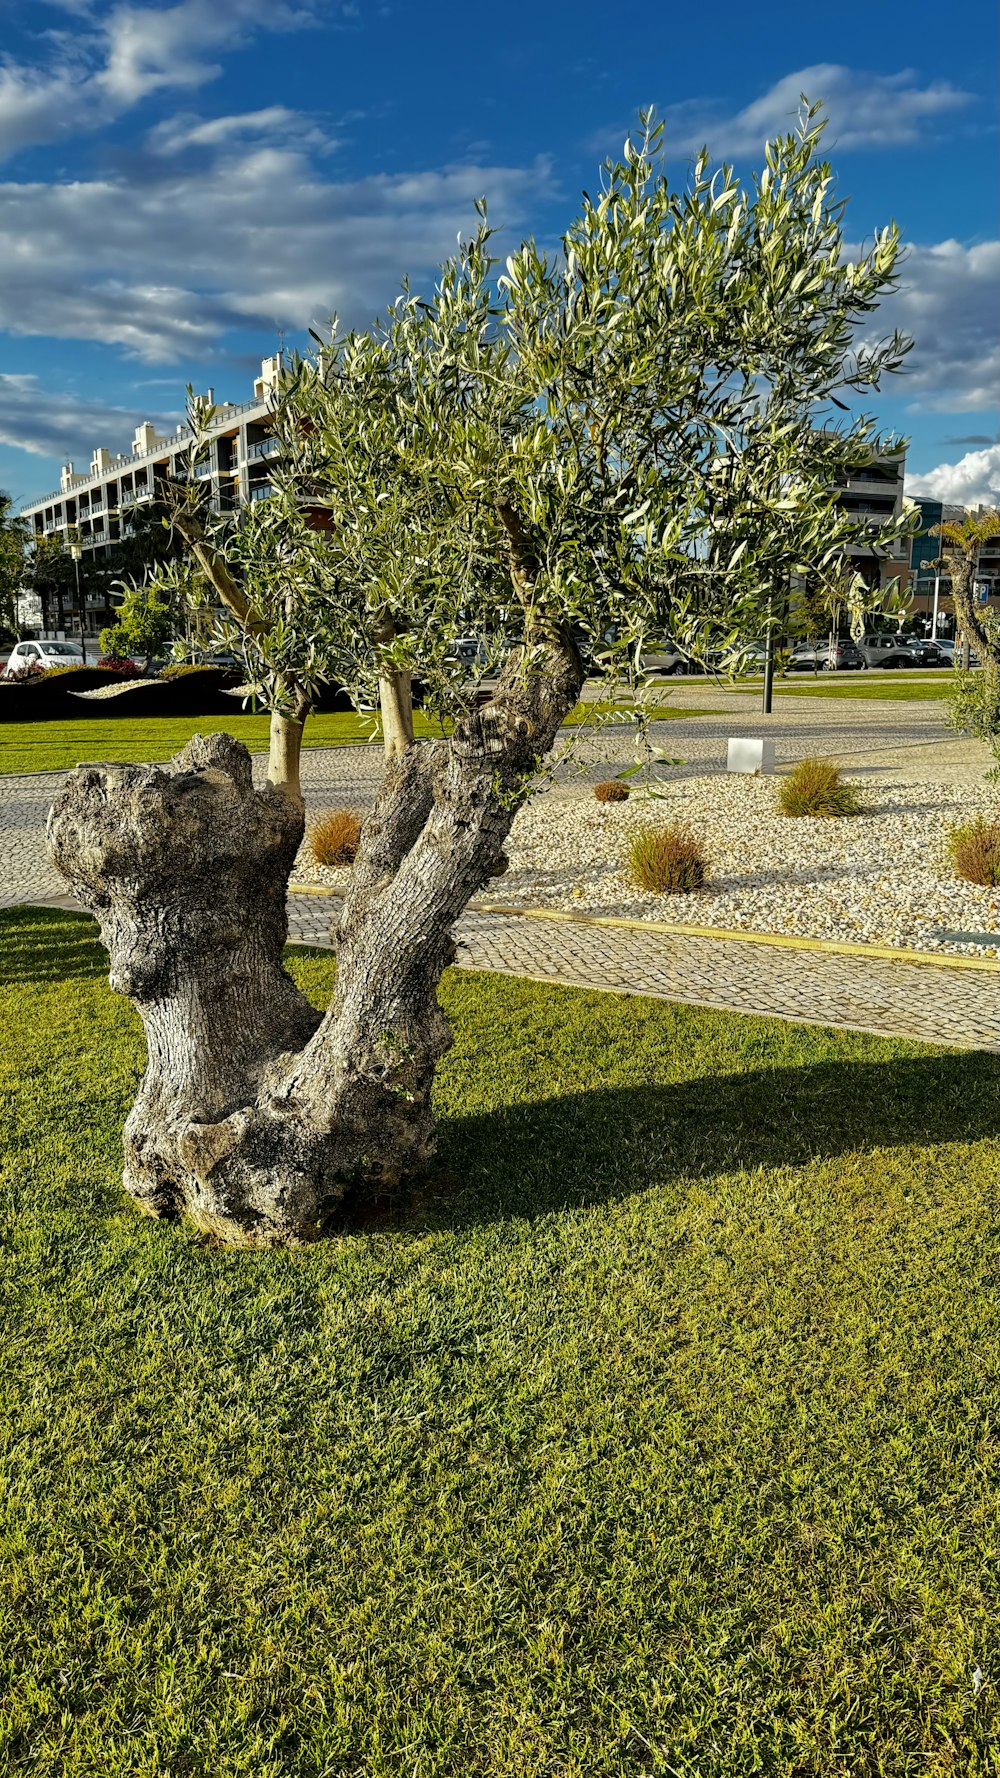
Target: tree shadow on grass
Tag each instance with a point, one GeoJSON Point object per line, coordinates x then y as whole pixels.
{"type": "Point", "coordinates": [44, 944]}
{"type": "Point", "coordinates": [533, 1159]}
{"type": "Point", "coordinates": [536, 1156]}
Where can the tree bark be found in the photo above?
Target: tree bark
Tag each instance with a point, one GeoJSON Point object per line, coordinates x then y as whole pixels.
{"type": "Point", "coordinates": [256, 1114]}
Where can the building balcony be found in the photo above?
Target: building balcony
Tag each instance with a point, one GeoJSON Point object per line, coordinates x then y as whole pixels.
{"type": "Point", "coordinates": [261, 490]}
{"type": "Point", "coordinates": [265, 447]}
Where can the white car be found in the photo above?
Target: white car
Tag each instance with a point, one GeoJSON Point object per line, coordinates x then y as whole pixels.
{"type": "Point", "coordinates": [43, 654]}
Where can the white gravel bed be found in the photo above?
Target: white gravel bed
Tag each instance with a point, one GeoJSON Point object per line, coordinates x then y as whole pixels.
{"type": "Point", "coordinates": [881, 877]}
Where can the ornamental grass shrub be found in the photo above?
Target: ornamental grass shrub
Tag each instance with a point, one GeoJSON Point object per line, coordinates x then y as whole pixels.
{"type": "Point", "coordinates": [334, 836]}
{"type": "Point", "coordinates": [668, 860]}
{"type": "Point", "coordinates": [611, 791]}
{"type": "Point", "coordinates": [815, 787]}
{"type": "Point", "coordinates": [974, 849]}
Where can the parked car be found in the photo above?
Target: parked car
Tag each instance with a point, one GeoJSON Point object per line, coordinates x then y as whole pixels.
{"type": "Point", "coordinates": [664, 659]}
{"type": "Point", "coordinates": [927, 653]}
{"type": "Point", "coordinates": [667, 660]}
{"type": "Point", "coordinates": [753, 655]}
{"type": "Point", "coordinates": [949, 648]}
{"type": "Point", "coordinates": [25, 656]}
{"type": "Point", "coordinates": [885, 648]}
{"type": "Point", "coordinates": [470, 651]}
{"type": "Point", "coordinates": [826, 656]}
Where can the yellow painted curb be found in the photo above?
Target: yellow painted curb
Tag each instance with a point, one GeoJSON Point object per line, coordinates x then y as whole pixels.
{"type": "Point", "coordinates": [786, 942]}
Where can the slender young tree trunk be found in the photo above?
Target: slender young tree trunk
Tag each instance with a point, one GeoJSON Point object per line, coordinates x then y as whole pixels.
{"type": "Point", "coordinates": [256, 1114]}
{"type": "Point", "coordinates": [285, 755]}
{"type": "Point", "coordinates": [396, 704]}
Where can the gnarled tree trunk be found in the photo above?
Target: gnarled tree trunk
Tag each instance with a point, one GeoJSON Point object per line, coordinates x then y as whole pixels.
{"type": "Point", "coordinates": [256, 1113]}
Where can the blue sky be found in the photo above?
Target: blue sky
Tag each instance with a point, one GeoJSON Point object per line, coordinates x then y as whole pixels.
{"type": "Point", "coordinates": [180, 183]}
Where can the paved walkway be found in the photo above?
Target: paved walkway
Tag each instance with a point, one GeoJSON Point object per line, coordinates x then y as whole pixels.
{"type": "Point", "coordinates": [931, 1001]}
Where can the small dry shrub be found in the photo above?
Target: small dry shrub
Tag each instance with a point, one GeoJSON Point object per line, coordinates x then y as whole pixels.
{"type": "Point", "coordinates": [975, 851]}
{"type": "Point", "coordinates": [334, 836]}
{"type": "Point", "coordinates": [815, 787]}
{"type": "Point", "coordinates": [668, 860]}
{"type": "Point", "coordinates": [611, 791]}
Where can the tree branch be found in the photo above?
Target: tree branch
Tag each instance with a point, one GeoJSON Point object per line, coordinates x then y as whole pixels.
{"type": "Point", "coordinates": [213, 564]}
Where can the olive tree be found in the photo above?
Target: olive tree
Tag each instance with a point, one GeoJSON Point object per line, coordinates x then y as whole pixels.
{"type": "Point", "coordinates": [540, 450]}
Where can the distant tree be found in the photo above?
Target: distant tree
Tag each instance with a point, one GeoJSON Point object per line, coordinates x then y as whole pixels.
{"type": "Point", "coordinates": [147, 543]}
{"type": "Point", "coordinates": [13, 542]}
{"type": "Point", "coordinates": [975, 700]}
{"type": "Point", "coordinates": [51, 573]}
{"type": "Point", "coordinates": [961, 542]}
{"type": "Point", "coordinates": [539, 453]}
{"type": "Point", "coordinates": [143, 626]}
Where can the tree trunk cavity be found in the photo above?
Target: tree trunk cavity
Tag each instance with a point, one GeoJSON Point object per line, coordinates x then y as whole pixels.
{"type": "Point", "coordinates": [256, 1113]}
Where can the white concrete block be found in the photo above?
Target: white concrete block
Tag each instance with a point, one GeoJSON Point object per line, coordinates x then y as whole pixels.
{"type": "Point", "coordinates": [750, 756]}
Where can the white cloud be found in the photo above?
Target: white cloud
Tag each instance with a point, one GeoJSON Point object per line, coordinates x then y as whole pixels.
{"type": "Point", "coordinates": [55, 423]}
{"type": "Point", "coordinates": [163, 266]}
{"type": "Point", "coordinates": [276, 123]}
{"type": "Point", "coordinates": [866, 110]}
{"type": "Point", "coordinates": [106, 65]}
{"type": "Point", "coordinates": [973, 481]}
{"type": "Point", "coordinates": [948, 303]}
{"type": "Point", "coordinates": [153, 47]}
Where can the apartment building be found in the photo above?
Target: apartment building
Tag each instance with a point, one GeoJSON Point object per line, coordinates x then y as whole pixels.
{"type": "Point", "coordinates": [97, 505]}
{"type": "Point", "coordinates": [873, 493]}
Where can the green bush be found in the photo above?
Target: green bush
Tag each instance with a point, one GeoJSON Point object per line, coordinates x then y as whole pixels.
{"type": "Point", "coordinates": [974, 702]}
{"type": "Point", "coordinates": [815, 788]}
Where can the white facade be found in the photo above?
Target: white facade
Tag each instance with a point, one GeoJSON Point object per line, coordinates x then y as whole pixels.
{"type": "Point", "coordinates": [97, 504]}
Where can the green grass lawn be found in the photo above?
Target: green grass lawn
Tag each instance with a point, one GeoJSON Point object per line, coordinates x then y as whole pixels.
{"type": "Point", "coordinates": [894, 687]}
{"type": "Point", "coordinates": [54, 746]}
{"type": "Point", "coordinates": [657, 1433]}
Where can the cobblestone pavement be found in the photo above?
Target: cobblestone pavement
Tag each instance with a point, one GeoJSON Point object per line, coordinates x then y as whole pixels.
{"type": "Point", "coordinates": [928, 1002]}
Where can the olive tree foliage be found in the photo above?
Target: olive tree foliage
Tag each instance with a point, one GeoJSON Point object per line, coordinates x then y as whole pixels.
{"type": "Point", "coordinates": [641, 433]}
{"type": "Point", "coordinates": [635, 431]}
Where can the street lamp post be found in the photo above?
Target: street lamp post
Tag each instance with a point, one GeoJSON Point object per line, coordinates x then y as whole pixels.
{"type": "Point", "coordinates": [76, 552]}
{"type": "Point", "coordinates": [768, 664]}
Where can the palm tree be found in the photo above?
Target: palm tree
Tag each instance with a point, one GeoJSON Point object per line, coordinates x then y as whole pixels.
{"type": "Point", "coordinates": [961, 540]}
